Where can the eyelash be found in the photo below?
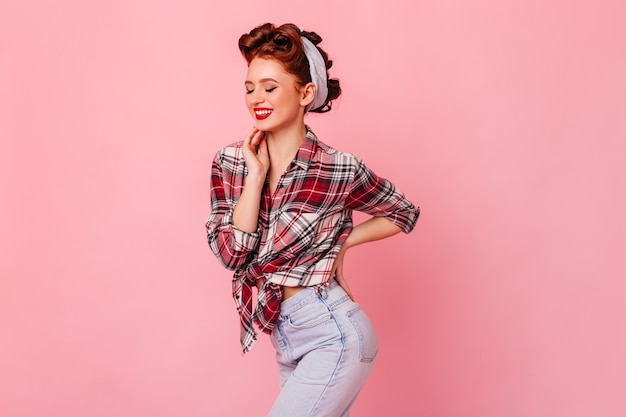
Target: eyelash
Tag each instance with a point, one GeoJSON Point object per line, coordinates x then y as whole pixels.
{"type": "Point", "coordinates": [269, 90]}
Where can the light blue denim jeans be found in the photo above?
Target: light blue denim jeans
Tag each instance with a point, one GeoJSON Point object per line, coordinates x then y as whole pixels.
{"type": "Point", "coordinates": [325, 349]}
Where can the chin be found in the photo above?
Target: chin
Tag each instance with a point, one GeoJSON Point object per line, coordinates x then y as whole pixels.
{"type": "Point", "coordinates": [263, 125]}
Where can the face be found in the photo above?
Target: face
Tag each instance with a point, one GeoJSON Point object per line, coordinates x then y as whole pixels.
{"type": "Point", "coordinates": [273, 97]}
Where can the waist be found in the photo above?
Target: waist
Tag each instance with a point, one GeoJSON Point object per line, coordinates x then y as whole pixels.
{"type": "Point", "coordinates": [332, 295]}
{"type": "Point", "coordinates": [289, 292]}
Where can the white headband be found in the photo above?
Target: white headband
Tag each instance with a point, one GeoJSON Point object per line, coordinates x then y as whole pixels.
{"type": "Point", "coordinates": [317, 67]}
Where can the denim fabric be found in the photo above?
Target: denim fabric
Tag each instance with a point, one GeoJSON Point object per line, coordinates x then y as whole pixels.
{"type": "Point", "coordinates": [325, 349]}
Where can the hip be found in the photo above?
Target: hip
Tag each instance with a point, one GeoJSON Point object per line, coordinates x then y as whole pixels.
{"type": "Point", "coordinates": [312, 318]}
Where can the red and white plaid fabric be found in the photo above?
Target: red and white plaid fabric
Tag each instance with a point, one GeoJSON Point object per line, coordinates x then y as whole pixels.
{"type": "Point", "coordinates": [301, 227]}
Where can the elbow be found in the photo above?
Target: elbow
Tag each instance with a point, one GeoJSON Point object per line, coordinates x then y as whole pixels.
{"type": "Point", "coordinates": [414, 214]}
{"type": "Point", "coordinates": [406, 218]}
{"type": "Point", "coordinates": [231, 263]}
{"type": "Point", "coordinates": [229, 258]}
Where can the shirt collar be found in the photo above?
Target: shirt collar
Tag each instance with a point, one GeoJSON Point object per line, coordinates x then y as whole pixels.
{"type": "Point", "coordinates": [306, 150]}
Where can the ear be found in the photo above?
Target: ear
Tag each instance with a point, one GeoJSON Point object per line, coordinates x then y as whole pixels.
{"type": "Point", "coordinates": [307, 94]}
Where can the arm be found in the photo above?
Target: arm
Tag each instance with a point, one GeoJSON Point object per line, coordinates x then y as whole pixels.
{"type": "Point", "coordinates": [246, 212]}
{"type": "Point", "coordinates": [232, 232]}
{"type": "Point", "coordinates": [378, 197]}
{"type": "Point", "coordinates": [373, 229]}
{"type": "Point", "coordinates": [392, 213]}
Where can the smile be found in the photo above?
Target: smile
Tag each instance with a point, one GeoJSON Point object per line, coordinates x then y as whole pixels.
{"type": "Point", "coordinates": [262, 114]}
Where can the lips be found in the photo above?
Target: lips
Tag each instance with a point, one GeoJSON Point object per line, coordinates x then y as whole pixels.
{"type": "Point", "coordinates": [262, 113]}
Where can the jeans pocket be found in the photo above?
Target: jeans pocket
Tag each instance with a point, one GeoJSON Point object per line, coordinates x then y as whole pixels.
{"type": "Point", "coordinates": [368, 342]}
{"type": "Point", "coordinates": [309, 316]}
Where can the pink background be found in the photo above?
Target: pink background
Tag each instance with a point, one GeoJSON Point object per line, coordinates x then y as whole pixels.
{"type": "Point", "coordinates": [504, 120]}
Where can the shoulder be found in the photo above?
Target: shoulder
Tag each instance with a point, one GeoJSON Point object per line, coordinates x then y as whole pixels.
{"type": "Point", "coordinates": [230, 153]}
{"type": "Point", "coordinates": [231, 149]}
{"type": "Point", "coordinates": [330, 154]}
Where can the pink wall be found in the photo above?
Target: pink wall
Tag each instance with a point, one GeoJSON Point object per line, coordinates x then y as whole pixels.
{"type": "Point", "coordinates": [504, 120]}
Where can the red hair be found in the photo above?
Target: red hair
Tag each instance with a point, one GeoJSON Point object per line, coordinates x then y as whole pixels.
{"type": "Point", "coordinates": [284, 45]}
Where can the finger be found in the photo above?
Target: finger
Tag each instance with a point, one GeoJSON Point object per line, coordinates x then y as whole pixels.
{"type": "Point", "coordinates": [347, 289]}
{"type": "Point", "coordinates": [262, 150]}
{"type": "Point", "coordinates": [251, 141]}
{"type": "Point", "coordinates": [249, 136]}
{"type": "Point", "coordinates": [256, 137]}
{"type": "Point", "coordinates": [343, 284]}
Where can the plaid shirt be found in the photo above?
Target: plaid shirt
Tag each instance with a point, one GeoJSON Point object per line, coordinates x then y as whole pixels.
{"type": "Point", "coordinates": [300, 228]}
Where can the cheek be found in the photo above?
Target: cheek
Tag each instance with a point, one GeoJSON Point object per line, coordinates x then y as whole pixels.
{"type": "Point", "coordinates": [283, 99]}
{"type": "Point", "coordinates": [248, 100]}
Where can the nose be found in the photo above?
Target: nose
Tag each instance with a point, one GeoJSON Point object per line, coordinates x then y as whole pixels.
{"type": "Point", "coordinates": [256, 96]}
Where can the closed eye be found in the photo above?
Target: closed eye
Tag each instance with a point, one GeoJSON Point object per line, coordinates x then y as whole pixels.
{"type": "Point", "coordinates": [269, 90]}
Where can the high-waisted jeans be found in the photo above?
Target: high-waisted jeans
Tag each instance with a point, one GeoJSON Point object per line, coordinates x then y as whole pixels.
{"type": "Point", "coordinates": [325, 349]}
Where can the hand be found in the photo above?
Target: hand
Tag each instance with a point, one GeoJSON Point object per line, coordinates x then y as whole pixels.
{"type": "Point", "coordinates": [256, 155]}
{"type": "Point", "coordinates": [337, 272]}
{"type": "Point", "coordinates": [257, 160]}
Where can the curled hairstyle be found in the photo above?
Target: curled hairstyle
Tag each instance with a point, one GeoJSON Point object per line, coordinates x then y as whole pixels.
{"type": "Point", "coordinates": [284, 45]}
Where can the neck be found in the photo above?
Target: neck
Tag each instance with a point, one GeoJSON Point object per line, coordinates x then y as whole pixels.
{"type": "Point", "coordinates": [284, 144]}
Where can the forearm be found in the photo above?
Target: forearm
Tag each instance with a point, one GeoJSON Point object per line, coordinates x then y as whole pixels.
{"type": "Point", "coordinates": [375, 228]}
{"type": "Point", "coordinates": [246, 212]}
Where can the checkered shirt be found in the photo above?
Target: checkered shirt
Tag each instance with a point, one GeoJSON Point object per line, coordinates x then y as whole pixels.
{"type": "Point", "coordinates": [300, 228]}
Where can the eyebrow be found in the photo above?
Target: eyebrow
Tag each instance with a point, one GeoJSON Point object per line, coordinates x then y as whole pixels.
{"type": "Point", "coordinates": [262, 80]}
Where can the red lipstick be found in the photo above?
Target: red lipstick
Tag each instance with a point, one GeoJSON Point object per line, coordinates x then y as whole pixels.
{"type": "Point", "coordinates": [262, 113]}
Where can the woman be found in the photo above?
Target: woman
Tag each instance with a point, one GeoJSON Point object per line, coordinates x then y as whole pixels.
{"type": "Point", "coordinates": [281, 205]}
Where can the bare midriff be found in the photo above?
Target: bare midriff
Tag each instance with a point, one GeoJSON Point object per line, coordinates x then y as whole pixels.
{"type": "Point", "coordinates": [290, 291]}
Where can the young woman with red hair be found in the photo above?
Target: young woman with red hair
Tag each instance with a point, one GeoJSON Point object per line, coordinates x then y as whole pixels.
{"type": "Point", "coordinates": [281, 219]}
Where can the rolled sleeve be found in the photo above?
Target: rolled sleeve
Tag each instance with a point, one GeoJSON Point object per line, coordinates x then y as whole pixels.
{"type": "Point", "coordinates": [241, 241]}
{"type": "Point", "coordinates": [378, 197]}
{"type": "Point", "coordinates": [232, 246]}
